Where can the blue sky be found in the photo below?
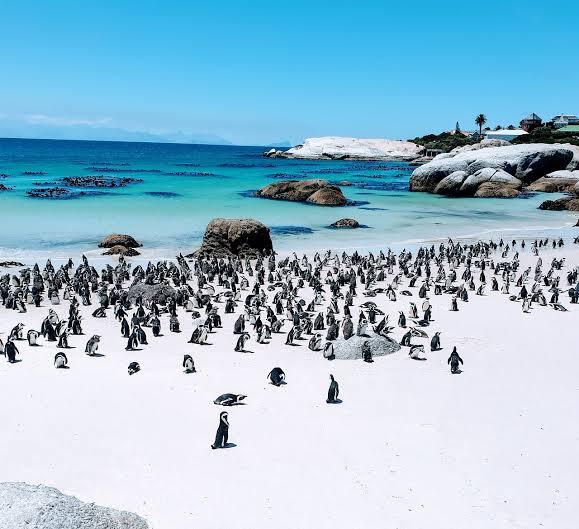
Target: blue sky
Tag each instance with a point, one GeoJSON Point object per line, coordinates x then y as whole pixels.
{"type": "Point", "coordinates": [261, 72]}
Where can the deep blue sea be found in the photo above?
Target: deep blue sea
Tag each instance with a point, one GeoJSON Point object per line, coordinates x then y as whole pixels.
{"type": "Point", "coordinates": [184, 186]}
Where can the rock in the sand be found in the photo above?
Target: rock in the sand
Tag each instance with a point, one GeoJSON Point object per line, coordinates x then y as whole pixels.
{"type": "Point", "coordinates": [315, 191]}
{"type": "Point", "coordinates": [526, 162]}
{"type": "Point", "coordinates": [339, 148]}
{"type": "Point", "coordinates": [157, 293]}
{"type": "Point", "coordinates": [7, 264]}
{"type": "Point", "coordinates": [121, 250]}
{"type": "Point", "coordinates": [118, 239]}
{"type": "Point", "coordinates": [351, 349]}
{"type": "Point", "coordinates": [244, 237]}
{"type": "Point", "coordinates": [24, 506]}
{"type": "Point", "coordinates": [346, 224]}
{"type": "Point", "coordinates": [553, 184]}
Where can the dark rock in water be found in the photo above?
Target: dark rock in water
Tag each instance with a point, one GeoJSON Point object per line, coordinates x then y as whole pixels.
{"type": "Point", "coordinates": [7, 264]}
{"type": "Point", "coordinates": [98, 181]}
{"type": "Point", "coordinates": [345, 183]}
{"type": "Point", "coordinates": [158, 293]}
{"type": "Point", "coordinates": [162, 194]}
{"type": "Point", "coordinates": [319, 192]}
{"type": "Point", "coordinates": [33, 173]}
{"type": "Point", "coordinates": [351, 349]}
{"type": "Point", "coordinates": [48, 192]}
{"type": "Point", "coordinates": [225, 237]}
{"type": "Point", "coordinates": [24, 506]}
{"type": "Point", "coordinates": [4, 175]}
{"type": "Point", "coordinates": [345, 223]}
{"type": "Point", "coordinates": [122, 250]}
{"type": "Point", "coordinates": [553, 185]}
{"type": "Point", "coordinates": [290, 230]}
{"type": "Point", "coordinates": [561, 204]}
{"type": "Point", "coordinates": [5, 188]}
{"type": "Point", "coordinates": [118, 239]}
{"type": "Point", "coordinates": [496, 190]}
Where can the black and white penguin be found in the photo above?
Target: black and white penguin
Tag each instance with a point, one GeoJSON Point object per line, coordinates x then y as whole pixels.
{"type": "Point", "coordinates": [454, 359]}
{"type": "Point", "coordinates": [402, 320]}
{"type": "Point", "coordinates": [92, 345]}
{"type": "Point", "coordinates": [16, 332]}
{"type": "Point", "coordinates": [188, 364]}
{"type": "Point", "coordinates": [333, 391]}
{"type": "Point", "coordinates": [133, 341]}
{"type": "Point", "coordinates": [367, 352]}
{"type": "Point", "coordinates": [133, 368]}
{"type": "Point", "coordinates": [60, 360]}
{"type": "Point", "coordinates": [222, 434]}
{"type": "Point", "coordinates": [241, 341]}
{"type": "Point", "coordinates": [10, 350]}
{"type": "Point", "coordinates": [435, 342]}
{"type": "Point", "coordinates": [315, 343]}
{"type": "Point", "coordinates": [290, 336]}
{"type": "Point", "coordinates": [229, 399]}
{"type": "Point", "coordinates": [32, 337]}
{"type": "Point", "coordinates": [276, 376]}
{"type": "Point", "coordinates": [239, 325]}
{"type": "Point", "coordinates": [329, 351]}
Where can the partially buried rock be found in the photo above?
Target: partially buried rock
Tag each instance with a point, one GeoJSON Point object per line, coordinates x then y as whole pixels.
{"type": "Point", "coordinates": [242, 237]}
{"type": "Point", "coordinates": [159, 293]}
{"type": "Point", "coordinates": [317, 191]}
{"type": "Point", "coordinates": [345, 224]}
{"type": "Point", "coordinates": [24, 506]}
{"type": "Point", "coordinates": [117, 239]}
{"type": "Point", "coordinates": [121, 250]}
{"type": "Point", "coordinates": [351, 349]}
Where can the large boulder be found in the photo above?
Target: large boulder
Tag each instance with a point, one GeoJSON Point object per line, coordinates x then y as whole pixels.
{"type": "Point", "coordinates": [526, 162]}
{"type": "Point", "coordinates": [159, 293]}
{"type": "Point", "coordinates": [497, 190]}
{"type": "Point", "coordinates": [118, 239]}
{"type": "Point", "coordinates": [450, 185]}
{"type": "Point", "coordinates": [561, 204]}
{"type": "Point", "coordinates": [488, 174]}
{"type": "Point", "coordinates": [24, 506]}
{"type": "Point", "coordinates": [345, 224]}
{"type": "Point", "coordinates": [351, 349]}
{"type": "Point", "coordinates": [549, 184]}
{"type": "Point", "coordinates": [315, 191]}
{"type": "Point", "coordinates": [121, 250]}
{"type": "Point", "coordinates": [243, 237]}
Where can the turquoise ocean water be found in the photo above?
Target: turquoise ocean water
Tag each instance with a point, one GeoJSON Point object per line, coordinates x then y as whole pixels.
{"type": "Point", "coordinates": [184, 186]}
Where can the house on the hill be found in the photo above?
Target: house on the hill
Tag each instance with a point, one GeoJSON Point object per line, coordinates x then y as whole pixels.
{"type": "Point", "coordinates": [531, 122]}
{"type": "Point", "coordinates": [564, 120]}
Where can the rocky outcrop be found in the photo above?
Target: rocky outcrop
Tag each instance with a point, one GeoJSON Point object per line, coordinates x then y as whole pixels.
{"type": "Point", "coordinates": [526, 163]}
{"type": "Point", "coordinates": [159, 293]}
{"type": "Point", "coordinates": [317, 191]}
{"type": "Point", "coordinates": [119, 239]}
{"type": "Point", "coordinates": [6, 264]}
{"type": "Point", "coordinates": [48, 192]}
{"type": "Point", "coordinates": [98, 181]}
{"type": "Point", "coordinates": [497, 190]}
{"type": "Point", "coordinates": [24, 506]}
{"type": "Point", "coordinates": [561, 204]}
{"type": "Point", "coordinates": [5, 188]}
{"type": "Point", "coordinates": [243, 237]}
{"type": "Point", "coordinates": [553, 185]}
{"type": "Point", "coordinates": [338, 148]}
{"type": "Point", "coordinates": [450, 185]}
{"type": "Point", "coordinates": [351, 349]}
{"type": "Point", "coordinates": [121, 250]}
{"type": "Point", "coordinates": [345, 224]}
{"type": "Point", "coordinates": [484, 144]}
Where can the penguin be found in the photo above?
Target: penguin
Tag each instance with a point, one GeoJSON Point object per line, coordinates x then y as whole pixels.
{"type": "Point", "coordinates": [315, 343]}
{"type": "Point", "coordinates": [133, 368]}
{"type": "Point", "coordinates": [402, 320]}
{"type": "Point", "coordinates": [276, 376]}
{"type": "Point", "coordinates": [133, 341]}
{"type": "Point", "coordinates": [415, 351]}
{"type": "Point", "coordinates": [222, 434]}
{"type": "Point", "coordinates": [347, 328]}
{"type": "Point", "coordinates": [367, 352]}
{"type": "Point", "coordinates": [11, 351]}
{"type": "Point", "coordinates": [239, 325]}
{"type": "Point", "coordinates": [188, 364]}
{"type": "Point", "coordinates": [241, 341]}
{"type": "Point", "coordinates": [333, 331]}
{"type": "Point", "coordinates": [435, 342]}
{"type": "Point", "coordinates": [290, 336]}
{"type": "Point", "coordinates": [92, 345]}
{"type": "Point", "coordinates": [229, 399]}
{"type": "Point", "coordinates": [454, 360]}
{"type": "Point", "coordinates": [60, 360]}
{"type": "Point", "coordinates": [32, 337]}
{"type": "Point", "coordinates": [125, 329]}
{"type": "Point", "coordinates": [329, 351]}
{"type": "Point", "coordinates": [333, 391]}
{"type": "Point", "coordinates": [16, 332]}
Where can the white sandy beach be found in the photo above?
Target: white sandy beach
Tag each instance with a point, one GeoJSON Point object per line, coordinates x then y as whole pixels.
{"type": "Point", "coordinates": [411, 446]}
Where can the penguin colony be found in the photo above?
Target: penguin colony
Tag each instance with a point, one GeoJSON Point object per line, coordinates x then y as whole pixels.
{"type": "Point", "coordinates": [267, 296]}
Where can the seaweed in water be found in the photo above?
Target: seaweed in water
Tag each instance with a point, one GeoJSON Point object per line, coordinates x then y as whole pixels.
{"type": "Point", "coordinates": [117, 170]}
{"type": "Point", "coordinates": [291, 230]}
{"type": "Point", "coordinates": [163, 194]}
{"type": "Point", "coordinates": [190, 173]}
{"type": "Point", "coordinates": [250, 193]}
{"type": "Point", "coordinates": [33, 173]}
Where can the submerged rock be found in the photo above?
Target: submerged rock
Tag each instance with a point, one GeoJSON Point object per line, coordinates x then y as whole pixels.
{"type": "Point", "coordinates": [351, 349]}
{"type": "Point", "coordinates": [5, 188]}
{"type": "Point", "coordinates": [24, 506]}
{"type": "Point", "coordinates": [245, 237]}
{"type": "Point", "coordinates": [119, 239]}
{"type": "Point", "coordinates": [48, 192]}
{"type": "Point", "coordinates": [345, 223]}
{"type": "Point", "coordinates": [316, 191]}
{"type": "Point", "coordinates": [122, 250]}
{"type": "Point", "coordinates": [98, 181]}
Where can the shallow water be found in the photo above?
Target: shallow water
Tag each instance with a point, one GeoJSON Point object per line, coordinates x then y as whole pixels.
{"type": "Point", "coordinates": [184, 186]}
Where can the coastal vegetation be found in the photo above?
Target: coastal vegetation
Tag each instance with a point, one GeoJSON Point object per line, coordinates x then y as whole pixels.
{"type": "Point", "coordinates": [445, 141]}
{"type": "Point", "coordinates": [547, 135]}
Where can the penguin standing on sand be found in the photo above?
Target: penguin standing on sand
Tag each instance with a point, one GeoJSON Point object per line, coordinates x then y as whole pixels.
{"type": "Point", "coordinates": [92, 345]}
{"type": "Point", "coordinates": [222, 434]}
{"type": "Point", "coordinates": [454, 360]}
{"type": "Point", "coordinates": [125, 329]}
{"type": "Point", "coordinates": [32, 336]}
{"type": "Point", "coordinates": [290, 336]}
{"type": "Point", "coordinates": [133, 341]}
{"type": "Point", "coordinates": [239, 325]}
{"type": "Point", "coordinates": [241, 341]}
{"type": "Point", "coordinates": [315, 343]}
{"type": "Point", "coordinates": [435, 342]}
{"type": "Point", "coordinates": [11, 351]}
{"type": "Point", "coordinates": [402, 320]}
{"type": "Point", "coordinates": [188, 364]}
{"type": "Point", "coordinates": [276, 376]}
{"type": "Point", "coordinates": [367, 352]}
{"type": "Point", "coordinates": [60, 360]}
{"type": "Point", "coordinates": [333, 391]}
{"type": "Point", "coordinates": [329, 351]}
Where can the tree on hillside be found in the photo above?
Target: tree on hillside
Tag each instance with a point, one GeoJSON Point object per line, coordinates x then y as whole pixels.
{"type": "Point", "coordinates": [480, 120]}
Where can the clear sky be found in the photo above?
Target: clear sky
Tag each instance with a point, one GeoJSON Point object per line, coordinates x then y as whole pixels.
{"type": "Point", "coordinates": [256, 72]}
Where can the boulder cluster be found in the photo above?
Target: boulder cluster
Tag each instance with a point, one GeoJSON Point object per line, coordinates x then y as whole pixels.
{"type": "Point", "coordinates": [316, 191]}
{"type": "Point", "coordinates": [120, 244]}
